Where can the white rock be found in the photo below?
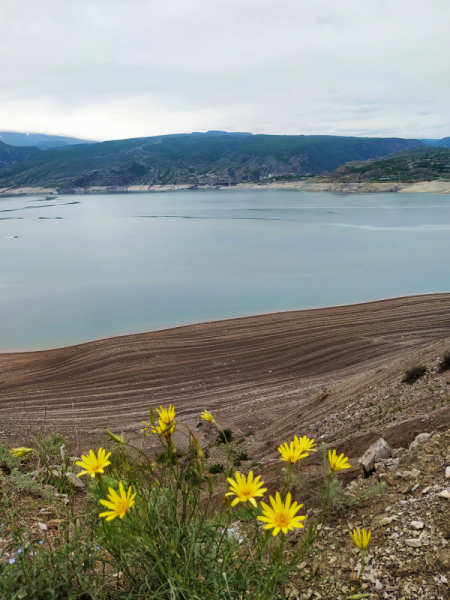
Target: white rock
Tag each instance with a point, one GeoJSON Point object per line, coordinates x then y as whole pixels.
{"type": "Point", "coordinates": [420, 439]}
{"type": "Point", "coordinates": [378, 585]}
{"type": "Point", "coordinates": [42, 526]}
{"type": "Point", "coordinates": [444, 494]}
{"type": "Point", "coordinates": [413, 543]}
{"type": "Point", "coordinates": [385, 521]}
{"type": "Point", "coordinates": [417, 524]}
{"type": "Point", "coordinates": [447, 472]}
{"type": "Point", "coordinates": [379, 450]}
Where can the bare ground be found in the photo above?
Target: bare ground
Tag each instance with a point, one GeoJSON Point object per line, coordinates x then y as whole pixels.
{"type": "Point", "coordinates": [275, 375]}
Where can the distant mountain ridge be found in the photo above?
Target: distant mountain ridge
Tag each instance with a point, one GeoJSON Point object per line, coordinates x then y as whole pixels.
{"type": "Point", "coordinates": [40, 140]}
{"type": "Point", "coordinates": [196, 159]}
{"type": "Point", "coordinates": [444, 142]}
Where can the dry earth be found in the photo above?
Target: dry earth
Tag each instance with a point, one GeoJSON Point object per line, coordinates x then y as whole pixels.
{"type": "Point", "coordinates": [314, 372]}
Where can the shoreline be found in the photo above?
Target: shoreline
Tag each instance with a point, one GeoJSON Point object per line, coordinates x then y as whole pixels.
{"type": "Point", "coordinates": [223, 321]}
{"type": "Point", "coordinates": [423, 187]}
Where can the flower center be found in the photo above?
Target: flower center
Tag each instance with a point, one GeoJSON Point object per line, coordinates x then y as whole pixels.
{"type": "Point", "coordinates": [247, 493]}
{"type": "Point", "coordinates": [282, 519]}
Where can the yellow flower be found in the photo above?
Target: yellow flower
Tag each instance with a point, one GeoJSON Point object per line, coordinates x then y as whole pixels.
{"type": "Point", "coordinates": [282, 515]}
{"type": "Point", "coordinates": [119, 503]}
{"type": "Point", "coordinates": [206, 416]}
{"type": "Point", "coordinates": [166, 415]}
{"type": "Point", "coordinates": [291, 453]}
{"type": "Point", "coordinates": [305, 444]}
{"type": "Point", "coordinates": [164, 429]}
{"type": "Point", "coordinates": [92, 464]}
{"type": "Point", "coordinates": [144, 430]}
{"type": "Point", "coordinates": [337, 463]}
{"type": "Point", "coordinates": [245, 490]}
{"type": "Point", "coordinates": [166, 421]}
{"type": "Point", "coordinates": [19, 452]}
{"type": "Point", "coordinates": [361, 537]}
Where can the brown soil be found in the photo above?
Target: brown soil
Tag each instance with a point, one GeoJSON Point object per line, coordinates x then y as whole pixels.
{"type": "Point", "coordinates": [264, 374]}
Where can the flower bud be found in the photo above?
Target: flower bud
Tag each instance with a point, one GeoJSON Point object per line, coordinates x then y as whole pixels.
{"type": "Point", "coordinates": [120, 439]}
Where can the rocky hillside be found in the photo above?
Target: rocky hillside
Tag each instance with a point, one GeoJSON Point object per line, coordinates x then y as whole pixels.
{"type": "Point", "coordinates": [214, 158]}
{"type": "Point", "coordinates": [409, 553]}
{"type": "Point", "coordinates": [430, 164]}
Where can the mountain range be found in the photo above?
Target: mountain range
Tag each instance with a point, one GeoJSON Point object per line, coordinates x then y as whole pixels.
{"type": "Point", "coordinates": [42, 141]}
{"type": "Point", "coordinates": [213, 158]}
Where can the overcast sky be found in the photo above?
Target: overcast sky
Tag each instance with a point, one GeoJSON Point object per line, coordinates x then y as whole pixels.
{"type": "Point", "coordinates": [108, 69]}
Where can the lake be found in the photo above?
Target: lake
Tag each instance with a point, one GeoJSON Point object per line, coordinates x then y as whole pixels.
{"type": "Point", "coordinates": [94, 266]}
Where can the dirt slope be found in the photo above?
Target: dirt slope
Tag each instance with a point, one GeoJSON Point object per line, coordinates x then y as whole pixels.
{"type": "Point", "coordinates": [252, 372]}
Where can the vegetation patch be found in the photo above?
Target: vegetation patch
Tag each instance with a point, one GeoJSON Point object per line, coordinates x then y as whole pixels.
{"type": "Point", "coordinates": [414, 374]}
{"type": "Point", "coordinates": [154, 530]}
{"type": "Point", "coordinates": [444, 365]}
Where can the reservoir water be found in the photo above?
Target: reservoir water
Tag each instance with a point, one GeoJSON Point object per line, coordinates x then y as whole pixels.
{"type": "Point", "coordinates": [79, 268]}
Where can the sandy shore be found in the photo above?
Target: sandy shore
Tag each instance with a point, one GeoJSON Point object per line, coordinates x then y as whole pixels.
{"type": "Point", "coordinates": [251, 372]}
{"type": "Point", "coordinates": [435, 187]}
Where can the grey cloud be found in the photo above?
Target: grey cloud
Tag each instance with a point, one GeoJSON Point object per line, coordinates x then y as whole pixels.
{"type": "Point", "coordinates": [109, 68]}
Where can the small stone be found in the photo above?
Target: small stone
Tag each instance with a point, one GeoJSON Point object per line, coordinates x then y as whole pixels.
{"type": "Point", "coordinates": [413, 543]}
{"type": "Point", "coordinates": [378, 585]}
{"type": "Point", "coordinates": [75, 481]}
{"type": "Point", "coordinates": [413, 473]}
{"type": "Point", "coordinates": [420, 439]}
{"type": "Point", "coordinates": [426, 490]}
{"type": "Point", "coordinates": [447, 472]}
{"type": "Point", "coordinates": [54, 523]}
{"type": "Point", "coordinates": [444, 579]}
{"type": "Point", "coordinates": [417, 524]}
{"type": "Point", "coordinates": [385, 521]}
{"type": "Point", "coordinates": [388, 508]}
{"type": "Point", "coordinates": [42, 526]}
{"type": "Point", "coordinates": [444, 494]}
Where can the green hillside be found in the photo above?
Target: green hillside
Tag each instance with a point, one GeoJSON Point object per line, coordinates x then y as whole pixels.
{"type": "Point", "coordinates": [195, 159]}
{"type": "Point", "coordinates": [10, 155]}
{"type": "Point", "coordinates": [428, 164]}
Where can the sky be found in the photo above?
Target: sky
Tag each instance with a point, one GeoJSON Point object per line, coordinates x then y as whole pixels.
{"type": "Point", "coordinates": [114, 69]}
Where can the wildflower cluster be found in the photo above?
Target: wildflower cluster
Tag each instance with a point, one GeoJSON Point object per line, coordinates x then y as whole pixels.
{"type": "Point", "coordinates": [158, 518]}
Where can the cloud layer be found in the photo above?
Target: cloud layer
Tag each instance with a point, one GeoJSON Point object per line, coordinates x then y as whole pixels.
{"type": "Point", "coordinates": [108, 69]}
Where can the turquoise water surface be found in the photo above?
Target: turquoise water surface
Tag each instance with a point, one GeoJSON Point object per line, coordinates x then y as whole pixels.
{"type": "Point", "coordinates": [89, 267]}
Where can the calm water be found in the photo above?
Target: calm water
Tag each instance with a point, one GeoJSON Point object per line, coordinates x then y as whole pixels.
{"type": "Point", "coordinates": [88, 267]}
